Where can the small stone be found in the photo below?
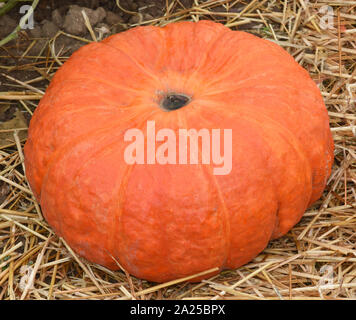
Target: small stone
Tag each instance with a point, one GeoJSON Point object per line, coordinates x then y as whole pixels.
{"type": "Point", "coordinates": [135, 19]}
{"type": "Point", "coordinates": [132, 5]}
{"type": "Point", "coordinates": [99, 15]}
{"type": "Point", "coordinates": [36, 32]}
{"type": "Point", "coordinates": [113, 18]}
{"type": "Point", "coordinates": [141, 4]}
{"type": "Point", "coordinates": [74, 20]}
{"type": "Point", "coordinates": [57, 18]}
{"type": "Point", "coordinates": [119, 28]}
{"type": "Point", "coordinates": [49, 29]}
{"type": "Point", "coordinates": [7, 25]}
{"type": "Point", "coordinates": [154, 11]}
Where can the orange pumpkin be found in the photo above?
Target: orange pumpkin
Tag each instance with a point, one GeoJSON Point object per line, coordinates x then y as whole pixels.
{"type": "Point", "coordinates": [158, 221]}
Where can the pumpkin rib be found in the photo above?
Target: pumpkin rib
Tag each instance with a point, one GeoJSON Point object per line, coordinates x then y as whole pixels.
{"type": "Point", "coordinates": [139, 37]}
{"type": "Point", "coordinates": [56, 96]}
{"type": "Point", "coordinates": [309, 145]}
{"type": "Point", "coordinates": [71, 188]}
{"type": "Point", "coordinates": [117, 221]}
{"type": "Point", "coordinates": [82, 74]}
{"type": "Point", "coordinates": [291, 134]}
{"type": "Point", "coordinates": [213, 180]}
{"type": "Point", "coordinates": [93, 153]}
{"type": "Point", "coordinates": [71, 144]}
{"type": "Point", "coordinates": [62, 150]}
{"type": "Point", "coordinates": [282, 86]}
{"type": "Point", "coordinates": [275, 216]}
{"type": "Point", "coordinates": [173, 246]}
{"type": "Point", "coordinates": [81, 78]}
{"type": "Point", "coordinates": [313, 140]}
{"type": "Point", "coordinates": [226, 214]}
{"type": "Point", "coordinates": [285, 103]}
{"type": "Point", "coordinates": [238, 86]}
{"type": "Point", "coordinates": [53, 100]}
{"type": "Point", "coordinates": [260, 120]}
{"type": "Point", "coordinates": [53, 112]}
{"type": "Point", "coordinates": [120, 53]}
{"type": "Point", "coordinates": [91, 157]}
{"type": "Point", "coordinates": [211, 44]}
{"type": "Point", "coordinates": [221, 78]}
{"type": "Point", "coordinates": [117, 217]}
{"type": "Point", "coordinates": [122, 107]}
{"type": "Point", "coordinates": [109, 83]}
{"type": "Point", "coordinates": [69, 115]}
{"type": "Point", "coordinates": [72, 112]}
{"type": "Point", "coordinates": [137, 64]}
{"type": "Point", "coordinates": [164, 240]}
{"type": "Point", "coordinates": [297, 147]}
{"type": "Point", "coordinates": [255, 86]}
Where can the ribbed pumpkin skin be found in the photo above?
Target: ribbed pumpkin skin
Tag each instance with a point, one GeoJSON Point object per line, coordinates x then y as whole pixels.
{"type": "Point", "coordinates": [163, 222]}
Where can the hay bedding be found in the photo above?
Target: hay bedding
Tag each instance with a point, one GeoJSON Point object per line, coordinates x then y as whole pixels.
{"type": "Point", "coordinates": [315, 260]}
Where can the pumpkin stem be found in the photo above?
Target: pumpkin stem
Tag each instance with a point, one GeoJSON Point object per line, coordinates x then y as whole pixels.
{"type": "Point", "coordinates": [174, 101]}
